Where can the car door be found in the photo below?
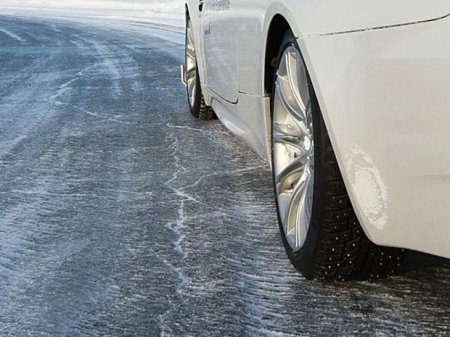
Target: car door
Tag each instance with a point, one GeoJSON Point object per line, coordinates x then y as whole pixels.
{"type": "Point", "coordinates": [250, 43]}
{"type": "Point", "coordinates": [218, 31]}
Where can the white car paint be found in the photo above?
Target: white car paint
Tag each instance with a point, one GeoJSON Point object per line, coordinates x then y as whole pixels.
{"type": "Point", "coordinates": [219, 29]}
{"type": "Point", "coordinates": [386, 105]}
{"type": "Point", "coordinates": [381, 72]}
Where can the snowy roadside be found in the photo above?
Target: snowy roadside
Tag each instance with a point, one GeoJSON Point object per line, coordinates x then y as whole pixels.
{"type": "Point", "coordinates": [160, 18]}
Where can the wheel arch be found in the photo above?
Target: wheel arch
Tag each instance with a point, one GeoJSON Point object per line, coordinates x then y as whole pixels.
{"type": "Point", "coordinates": [186, 11]}
{"type": "Point", "coordinates": [277, 28]}
{"type": "Point", "coordinates": [279, 25]}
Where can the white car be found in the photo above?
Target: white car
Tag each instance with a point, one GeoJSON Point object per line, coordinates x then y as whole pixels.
{"type": "Point", "coordinates": [349, 100]}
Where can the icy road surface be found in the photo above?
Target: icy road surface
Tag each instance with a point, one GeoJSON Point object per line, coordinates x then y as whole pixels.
{"type": "Point", "coordinates": [121, 215]}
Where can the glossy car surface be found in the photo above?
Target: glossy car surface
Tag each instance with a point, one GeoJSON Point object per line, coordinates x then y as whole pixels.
{"type": "Point", "coordinates": [381, 73]}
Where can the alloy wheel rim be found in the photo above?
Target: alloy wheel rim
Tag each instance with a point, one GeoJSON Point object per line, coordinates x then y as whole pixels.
{"type": "Point", "coordinates": [293, 147]}
{"type": "Point", "coordinates": [191, 65]}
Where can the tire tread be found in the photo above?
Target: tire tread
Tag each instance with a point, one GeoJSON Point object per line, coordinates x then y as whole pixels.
{"type": "Point", "coordinates": [344, 251]}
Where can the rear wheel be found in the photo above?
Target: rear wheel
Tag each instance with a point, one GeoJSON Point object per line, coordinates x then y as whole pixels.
{"type": "Point", "coordinates": [197, 104]}
{"type": "Point", "coordinates": [319, 228]}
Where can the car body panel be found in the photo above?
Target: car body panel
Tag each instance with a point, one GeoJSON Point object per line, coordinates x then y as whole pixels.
{"type": "Point", "coordinates": [318, 17]}
{"type": "Point", "coordinates": [381, 80]}
{"type": "Point", "coordinates": [384, 97]}
{"type": "Point", "coordinates": [218, 27]}
{"type": "Point", "coordinates": [251, 124]}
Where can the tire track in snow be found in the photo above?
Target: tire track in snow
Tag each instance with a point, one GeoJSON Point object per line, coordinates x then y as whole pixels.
{"type": "Point", "coordinates": [12, 35]}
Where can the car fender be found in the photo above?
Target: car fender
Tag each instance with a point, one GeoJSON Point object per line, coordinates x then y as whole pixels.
{"type": "Point", "coordinates": [319, 17]}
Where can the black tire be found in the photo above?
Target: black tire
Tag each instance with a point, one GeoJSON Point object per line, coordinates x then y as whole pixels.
{"type": "Point", "coordinates": [336, 247]}
{"type": "Point", "coordinates": [198, 107]}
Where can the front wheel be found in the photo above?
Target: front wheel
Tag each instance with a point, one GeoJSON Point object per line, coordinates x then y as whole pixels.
{"type": "Point", "coordinates": [197, 104]}
{"type": "Point", "coordinates": [319, 228]}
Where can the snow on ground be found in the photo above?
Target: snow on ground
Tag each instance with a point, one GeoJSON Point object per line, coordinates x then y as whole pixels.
{"type": "Point", "coordinates": [167, 11]}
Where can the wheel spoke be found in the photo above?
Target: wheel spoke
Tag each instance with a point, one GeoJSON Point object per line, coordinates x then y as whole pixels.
{"type": "Point", "coordinates": [288, 129]}
{"type": "Point", "coordinates": [289, 176]}
{"type": "Point", "coordinates": [297, 80]}
{"type": "Point", "coordinates": [287, 122]}
{"type": "Point", "coordinates": [302, 144]}
{"type": "Point", "coordinates": [190, 34]}
{"type": "Point", "coordinates": [192, 83]}
{"type": "Point", "coordinates": [191, 73]}
{"type": "Point", "coordinates": [303, 214]}
{"type": "Point", "coordinates": [287, 101]}
{"type": "Point", "coordinates": [294, 206]}
{"type": "Point", "coordinates": [290, 141]}
{"type": "Point", "coordinates": [190, 53]}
